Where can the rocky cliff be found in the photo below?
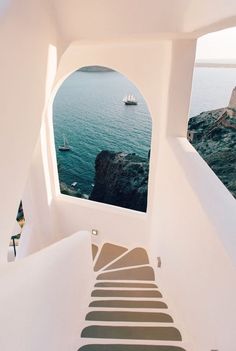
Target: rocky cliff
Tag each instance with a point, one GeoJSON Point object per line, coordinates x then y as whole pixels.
{"type": "Point", "coordinates": [121, 179]}
{"type": "Point", "coordinates": [213, 134]}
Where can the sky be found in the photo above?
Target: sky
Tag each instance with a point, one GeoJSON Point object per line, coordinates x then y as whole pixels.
{"type": "Point", "coordinates": [218, 45]}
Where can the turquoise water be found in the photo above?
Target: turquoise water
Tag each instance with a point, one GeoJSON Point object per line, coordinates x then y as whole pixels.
{"type": "Point", "coordinates": [89, 110]}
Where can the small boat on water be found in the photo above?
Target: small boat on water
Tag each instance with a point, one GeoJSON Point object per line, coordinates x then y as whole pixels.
{"type": "Point", "coordinates": [65, 146]}
{"type": "Point", "coordinates": [130, 99]}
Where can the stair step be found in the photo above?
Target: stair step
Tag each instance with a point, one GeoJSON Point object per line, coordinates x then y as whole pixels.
{"type": "Point", "coordinates": [125, 285]}
{"type": "Point", "coordinates": [127, 304]}
{"type": "Point", "coordinates": [140, 273]}
{"type": "Point", "coordinates": [135, 257]}
{"type": "Point", "coordinates": [121, 316]}
{"type": "Point", "coordinates": [126, 293]}
{"type": "Point", "coordinates": [127, 332]}
{"type": "Point", "coordinates": [122, 347]}
{"type": "Point", "coordinates": [127, 275]}
{"type": "Point", "coordinates": [108, 253]}
{"type": "Point", "coordinates": [94, 250]}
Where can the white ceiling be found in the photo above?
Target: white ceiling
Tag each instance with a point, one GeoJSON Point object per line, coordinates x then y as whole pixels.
{"type": "Point", "coordinates": [118, 19]}
{"type": "Point", "coordinates": [105, 19]}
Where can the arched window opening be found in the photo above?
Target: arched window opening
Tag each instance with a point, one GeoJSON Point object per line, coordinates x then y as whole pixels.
{"type": "Point", "coordinates": [212, 123]}
{"type": "Point", "coordinates": [102, 130]}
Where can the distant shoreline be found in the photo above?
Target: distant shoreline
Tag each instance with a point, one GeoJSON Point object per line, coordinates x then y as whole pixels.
{"type": "Point", "coordinates": [95, 69]}
{"type": "Point", "coordinates": [215, 64]}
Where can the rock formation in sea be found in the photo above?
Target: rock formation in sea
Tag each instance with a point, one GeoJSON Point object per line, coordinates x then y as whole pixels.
{"type": "Point", "coordinates": [121, 179]}
{"type": "Point", "coordinates": [213, 134]}
{"type": "Point", "coordinates": [69, 190]}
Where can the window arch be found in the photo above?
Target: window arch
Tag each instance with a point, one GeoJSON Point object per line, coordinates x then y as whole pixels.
{"type": "Point", "coordinates": [102, 130]}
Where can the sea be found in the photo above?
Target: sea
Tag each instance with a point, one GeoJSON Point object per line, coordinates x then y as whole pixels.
{"type": "Point", "coordinates": [88, 110]}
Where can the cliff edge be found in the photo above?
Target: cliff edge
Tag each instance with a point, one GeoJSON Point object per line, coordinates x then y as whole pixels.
{"type": "Point", "coordinates": [213, 134]}
{"type": "Point", "coordinates": [121, 179]}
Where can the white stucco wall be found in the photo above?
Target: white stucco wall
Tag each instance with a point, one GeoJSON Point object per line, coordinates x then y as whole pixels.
{"type": "Point", "coordinates": [27, 62]}
{"type": "Point", "coordinates": [197, 245]}
{"type": "Point", "coordinates": [44, 297]}
{"type": "Point", "coordinates": [114, 224]}
{"type": "Point", "coordinates": [40, 229]}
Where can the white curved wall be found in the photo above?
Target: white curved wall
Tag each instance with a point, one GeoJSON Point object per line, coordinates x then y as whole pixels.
{"type": "Point", "coordinates": [27, 64]}
{"type": "Point", "coordinates": [44, 297]}
{"type": "Point", "coordinates": [41, 228]}
{"type": "Point", "coordinates": [197, 245]}
{"type": "Point", "coordinates": [117, 225]}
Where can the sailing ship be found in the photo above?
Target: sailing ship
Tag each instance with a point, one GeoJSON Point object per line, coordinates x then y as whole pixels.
{"type": "Point", "coordinates": [130, 99]}
{"type": "Point", "coordinates": [65, 146]}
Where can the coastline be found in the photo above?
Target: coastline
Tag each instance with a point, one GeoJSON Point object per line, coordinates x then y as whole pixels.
{"type": "Point", "coordinates": [215, 65]}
